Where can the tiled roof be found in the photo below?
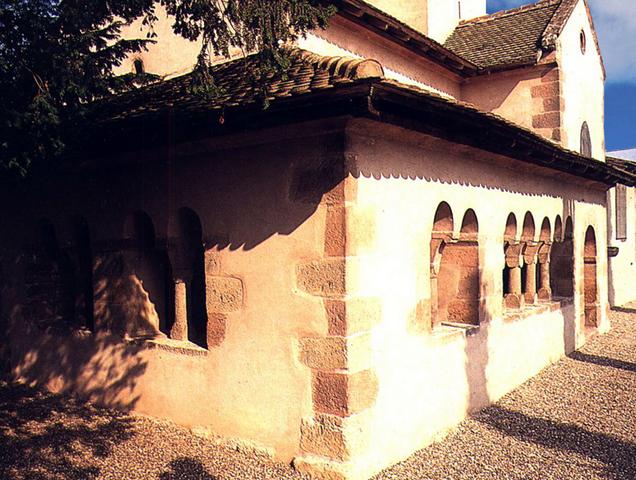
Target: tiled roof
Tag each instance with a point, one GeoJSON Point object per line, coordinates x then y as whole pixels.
{"type": "Point", "coordinates": [622, 164]}
{"type": "Point", "coordinates": [236, 87]}
{"type": "Point", "coordinates": [511, 37]}
{"type": "Point", "coordinates": [310, 85]}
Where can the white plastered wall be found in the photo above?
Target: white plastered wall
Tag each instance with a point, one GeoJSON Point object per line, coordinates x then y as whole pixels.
{"type": "Point", "coordinates": [622, 268]}
{"type": "Point", "coordinates": [429, 382]}
{"type": "Point", "coordinates": [582, 84]}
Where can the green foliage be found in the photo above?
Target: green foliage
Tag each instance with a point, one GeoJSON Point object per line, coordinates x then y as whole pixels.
{"type": "Point", "coordinates": [57, 56]}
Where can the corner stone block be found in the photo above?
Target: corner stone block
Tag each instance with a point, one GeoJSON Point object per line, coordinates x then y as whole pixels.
{"type": "Point", "coordinates": [323, 435]}
{"type": "Point", "coordinates": [224, 294]}
{"type": "Point", "coordinates": [323, 278]}
{"type": "Point", "coordinates": [216, 329]}
{"type": "Point", "coordinates": [353, 316]}
{"type": "Point", "coordinates": [337, 353]}
{"type": "Point", "coordinates": [343, 394]}
{"type": "Point", "coordinates": [324, 353]}
{"type": "Point", "coordinates": [319, 468]}
{"type": "Point", "coordinates": [545, 90]}
{"type": "Point", "coordinates": [335, 232]}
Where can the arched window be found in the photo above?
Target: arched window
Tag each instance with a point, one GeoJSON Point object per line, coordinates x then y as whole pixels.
{"type": "Point", "coordinates": [586, 141]}
{"type": "Point", "coordinates": [590, 287]}
{"type": "Point", "coordinates": [152, 269]}
{"type": "Point", "coordinates": [192, 258]}
{"type": "Point", "coordinates": [455, 274]}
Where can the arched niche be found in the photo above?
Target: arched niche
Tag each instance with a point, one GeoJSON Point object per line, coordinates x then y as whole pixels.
{"type": "Point", "coordinates": [192, 256]}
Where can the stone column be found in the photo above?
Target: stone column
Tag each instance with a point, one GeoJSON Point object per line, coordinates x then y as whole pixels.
{"type": "Point", "coordinates": [530, 251]}
{"type": "Point", "coordinates": [545, 291]}
{"type": "Point", "coordinates": [437, 246]}
{"type": "Point", "coordinates": [179, 330]}
{"type": "Point", "coordinates": [513, 299]}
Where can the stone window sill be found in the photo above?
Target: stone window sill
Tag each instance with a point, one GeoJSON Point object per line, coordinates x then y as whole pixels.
{"type": "Point", "coordinates": [181, 347]}
{"type": "Point", "coordinates": [512, 315]}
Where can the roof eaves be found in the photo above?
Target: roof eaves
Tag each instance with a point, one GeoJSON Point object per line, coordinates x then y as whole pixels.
{"type": "Point", "coordinates": [499, 135]}
{"type": "Point", "coordinates": [390, 27]}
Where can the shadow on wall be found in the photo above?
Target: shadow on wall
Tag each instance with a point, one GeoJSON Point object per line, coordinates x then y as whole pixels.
{"type": "Point", "coordinates": [100, 368]}
{"type": "Point", "coordinates": [617, 456]}
{"type": "Point", "coordinates": [48, 436]}
{"type": "Point", "coordinates": [185, 468]}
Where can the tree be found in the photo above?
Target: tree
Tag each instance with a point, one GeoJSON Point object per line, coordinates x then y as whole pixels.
{"type": "Point", "coordinates": [57, 56]}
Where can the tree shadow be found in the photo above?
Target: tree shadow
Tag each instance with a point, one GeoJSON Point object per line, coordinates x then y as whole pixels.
{"type": "Point", "coordinates": [618, 456]}
{"type": "Point", "coordinates": [185, 468]}
{"type": "Point", "coordinates": [603, 361]}
{"type": "Point", "coordinates": [46, 436]}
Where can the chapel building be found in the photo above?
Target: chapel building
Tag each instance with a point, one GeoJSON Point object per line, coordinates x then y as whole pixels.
{"type": "Point", "coordinates": [417, 224]}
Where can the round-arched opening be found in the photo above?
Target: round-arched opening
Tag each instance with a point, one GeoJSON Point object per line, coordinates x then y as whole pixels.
{"type": "Point", "coordinates": [562, 262]}
{"type": "Point", "coordinates": [141, 230]}
{"type": "Point", "coordinates": [192, 255]}
{"type": "Point", "coordinates": [586, 140]}
{"type": "Point", "coordinates": [558, 229]}
{"type": "Point", "coordinates": [455, 287]}
{"type": "Point", "coordinates": [546, 230]}
{"type": "Point", "coordinates": [568, 233]}
{"type": "Point", "coordinates": [511, 228]}
{"type": "Point", "coordinates": [152, 268]}
{"type": "Point", "coordinates": [590, 242]}
{"type": "Point", "coordinates": [590, 284]}
{"type": "Point", "coordinates": [470, 225]}
{"type": "Point", "coordinates": [583, 41]}
{"type": "Point", "coordinates": [527, 233]}
{"type": "Point", "coordinates": [443, 220]}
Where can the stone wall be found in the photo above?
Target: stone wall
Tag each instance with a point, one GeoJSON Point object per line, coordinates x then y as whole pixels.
{"type": "Point", "coordinates": [429, 379]}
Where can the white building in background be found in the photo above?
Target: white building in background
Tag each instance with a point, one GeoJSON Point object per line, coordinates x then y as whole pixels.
{"type": "Point", "coordinates": [621, 221]}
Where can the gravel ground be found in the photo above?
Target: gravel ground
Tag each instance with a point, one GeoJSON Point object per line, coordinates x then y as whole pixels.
{"type": "Point", "coordinates": [576, 420]}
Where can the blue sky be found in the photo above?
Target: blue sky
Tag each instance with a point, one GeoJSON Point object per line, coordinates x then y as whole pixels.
{"type": "Point", "coordinates": [615, 22]}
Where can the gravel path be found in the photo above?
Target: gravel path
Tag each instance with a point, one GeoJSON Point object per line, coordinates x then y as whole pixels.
{"type": "Point", "coordinates": [577, 420]}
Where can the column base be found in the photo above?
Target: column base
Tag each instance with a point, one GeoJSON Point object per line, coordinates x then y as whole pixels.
{"type": "Point", "coordinates": [514, 301]}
